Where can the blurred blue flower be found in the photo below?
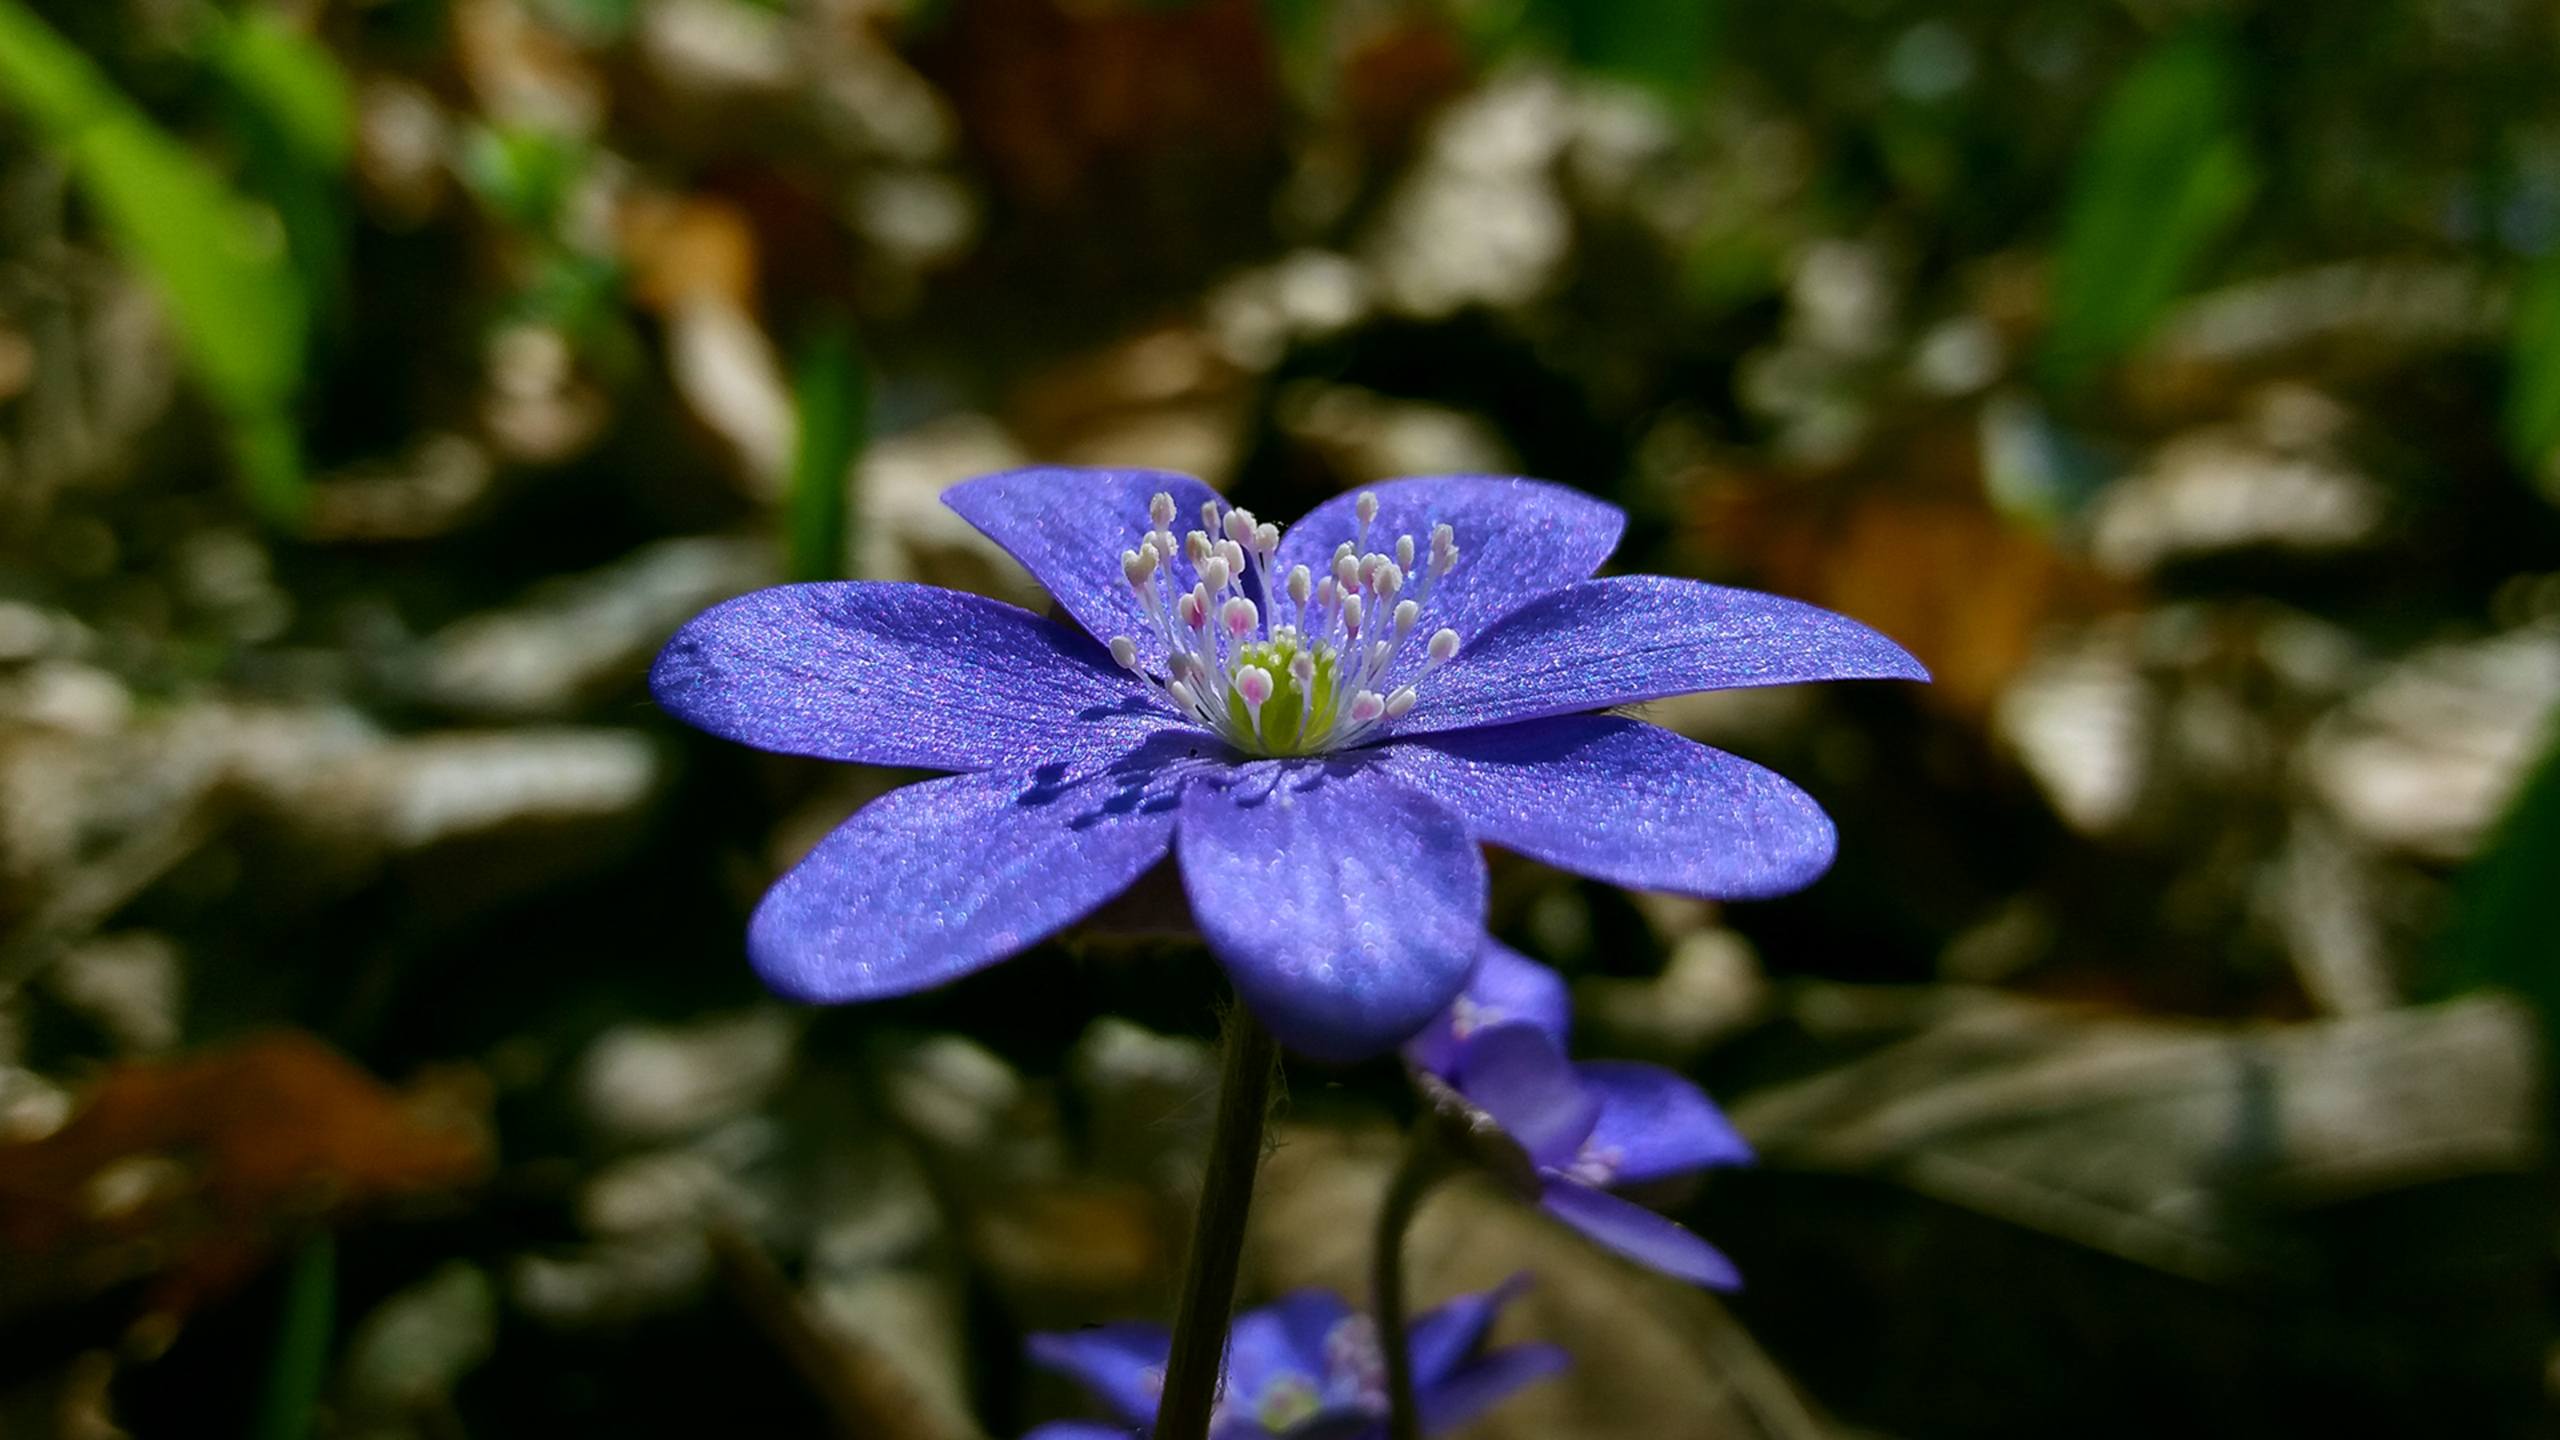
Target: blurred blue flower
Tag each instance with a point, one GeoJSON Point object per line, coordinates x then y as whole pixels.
{"type": "Point", "coordinates": [1306, 1367]}
{"type": "Point", "coordinates": [1321, 727]}
{"type": "Point", "coordinates": [1585, 1127]}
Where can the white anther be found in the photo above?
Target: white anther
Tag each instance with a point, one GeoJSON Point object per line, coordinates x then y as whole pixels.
{"type": "Point", "coordinates": [1125, 650]}
{"type": "Point", "coordinates": [1195, 548]}
{"type": "Point", "coordinates": [1352, 609]}
{"type": "Point", "coordinates": [1444, 549]}
{"type": "Point", "coordinates": [1182, 693]}
{"type": "Point", "coordinates": [1388, 580]}
{"type": "Point", "coordinates": [1239, 616]}
{"type": "Point", "coordinates": [1215, 572]}
{"type": "Point", "coordinates": [1303, 670]}
{"type": "Point", "coordinates": [1160, 510]}
{"type": "Point", "coordinates": [1346, 572]}
{"type": "Point", "coordinates": [1266, 538]}
{"type": "Point", "coordinates": [1408, 615]}
{"type": "Point", "coordinates": [1233, 554]}
{"type": "Point", "coordinates": [1380, 652]}
{"type": "Point", "coordinates": [1401, 701]}
{"type": "Point", "coordinates": [1325, 591]}
{"type": "Point", "coordinates": [1366, 507]}
{"type": "Point", "coordinates": [1367, 706]}
{"type": "Point", "coordinates": [1444, 645]}
{"type": "Point", "coordinates": [1253, 684]}
{"type": "Point", "coordinates": [1404, 552]}
{"type": "Point", "coordinates": [1190, 609]}
{"type": "Point", "coordinates": [1209, 516]}
{"type": "Point", "coordinates": [1239, 526]}
{"type": "Point", "coordinates": [1138, 566]}
{"type": "Point", "coordinates": [1301, 584]}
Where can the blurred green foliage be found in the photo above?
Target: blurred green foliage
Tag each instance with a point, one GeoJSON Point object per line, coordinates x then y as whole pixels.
{"type": "Point", "coordinates": [2533, 385]}
{"type": "Point", "coordinates": [831, 395]}
{"type": "Point", "coordinates": [2167, 174]}
{"type": "Point", "coordinates": [298, 1372]}
{"type": "Point", "coordinates": [220, 261]}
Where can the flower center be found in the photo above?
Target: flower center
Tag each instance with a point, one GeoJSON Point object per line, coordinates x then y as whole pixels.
{"type": "Point", "coordinates": [1302, 669]}
{"type": "Point", "coordinates": [1287, 1401]}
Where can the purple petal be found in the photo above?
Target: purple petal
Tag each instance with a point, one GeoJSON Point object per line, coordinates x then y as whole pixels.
{"type": "Point", "coordinates": [1518, 539]}
{"type": "Point", "coordinates": [894, 674]}
{"type": "Point", "coordinates": [1520, 1077]}
{"type": "Point", "coordinates": [1082, 1430]}
{"type": "Point", "coordinates": [1441, 1339]}
{"type": "Point", "coordinates": [1347, 908]}
{"type": "Point", "coordinates": [1641, 637]}
{"type": "Point", "coordinates": [1640, 1235]}
{"type": "Point", "coordinates": [1506, 986]}
{"type": "Point", "coordinates": [1654, 1123]}
{"type": "Point", "coordinates": [1285, 1338]}
{"type": "Point", "coordinates": [1478, 1387]}
{"type": "Point", "coordinates": [932, 881]}
{"type": "Point", "coordinates": [1068, 526]}
{"type": "Point", "coordinates": [1123, 1365]}
{"type": "Point", "coordinates": [1625, 802]}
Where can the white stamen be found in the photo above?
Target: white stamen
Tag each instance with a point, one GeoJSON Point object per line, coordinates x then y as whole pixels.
{"type": "Point", "coordinates": [1225, 654]}
{"type": "Point", "coordinates": [1444, 549]}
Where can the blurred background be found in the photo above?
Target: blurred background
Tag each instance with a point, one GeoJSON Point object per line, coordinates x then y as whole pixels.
{"type": "Point", "coordinates": [381, 381]}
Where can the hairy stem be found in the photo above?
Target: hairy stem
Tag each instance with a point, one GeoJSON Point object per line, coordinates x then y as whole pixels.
{"type": "Point", "coordinates": [1421, 1167]}
{"type": "Point", "coordinates": [1217, 1231]}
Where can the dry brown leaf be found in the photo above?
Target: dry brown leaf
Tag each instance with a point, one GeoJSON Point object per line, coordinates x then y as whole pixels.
{"type": "Point", "coordinates": [191, 1171]}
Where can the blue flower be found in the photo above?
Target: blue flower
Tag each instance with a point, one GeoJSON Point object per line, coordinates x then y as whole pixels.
{"type": "Point", "coordinates": [1585, 1127]}
{"type": "Point", "coordinates": [1320, 727]}
{"type": "Point", "coordinates": [1306, 1367]}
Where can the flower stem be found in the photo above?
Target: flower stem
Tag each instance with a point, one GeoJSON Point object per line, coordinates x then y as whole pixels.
{"type": "Point", "coordinates": [1425, 1160]}
{"type": "Point", "coordinates": [1217, 1231]}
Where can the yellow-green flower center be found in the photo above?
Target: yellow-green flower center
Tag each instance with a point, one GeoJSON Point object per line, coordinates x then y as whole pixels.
{"type": "Point", "coordinates": [1299, 717]}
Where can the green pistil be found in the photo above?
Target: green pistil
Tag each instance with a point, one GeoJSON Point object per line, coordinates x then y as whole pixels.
{"type": "Point", "coordinates": [1282, 733]}
{"type": "Point", "coordinates": [1286, 1402]}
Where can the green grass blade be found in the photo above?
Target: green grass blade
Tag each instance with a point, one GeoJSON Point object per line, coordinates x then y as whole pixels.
{"type": "Point", "coordinates": [218, 262]}
{"type": "Point", "coordinates": [2164, 179]}
{"type": "Point", "coordinates": [832, 393]}
{"type": "Point", "coordinates": [299, 1368]}
{"type": "Point", "coordinates": [2533, 375]}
